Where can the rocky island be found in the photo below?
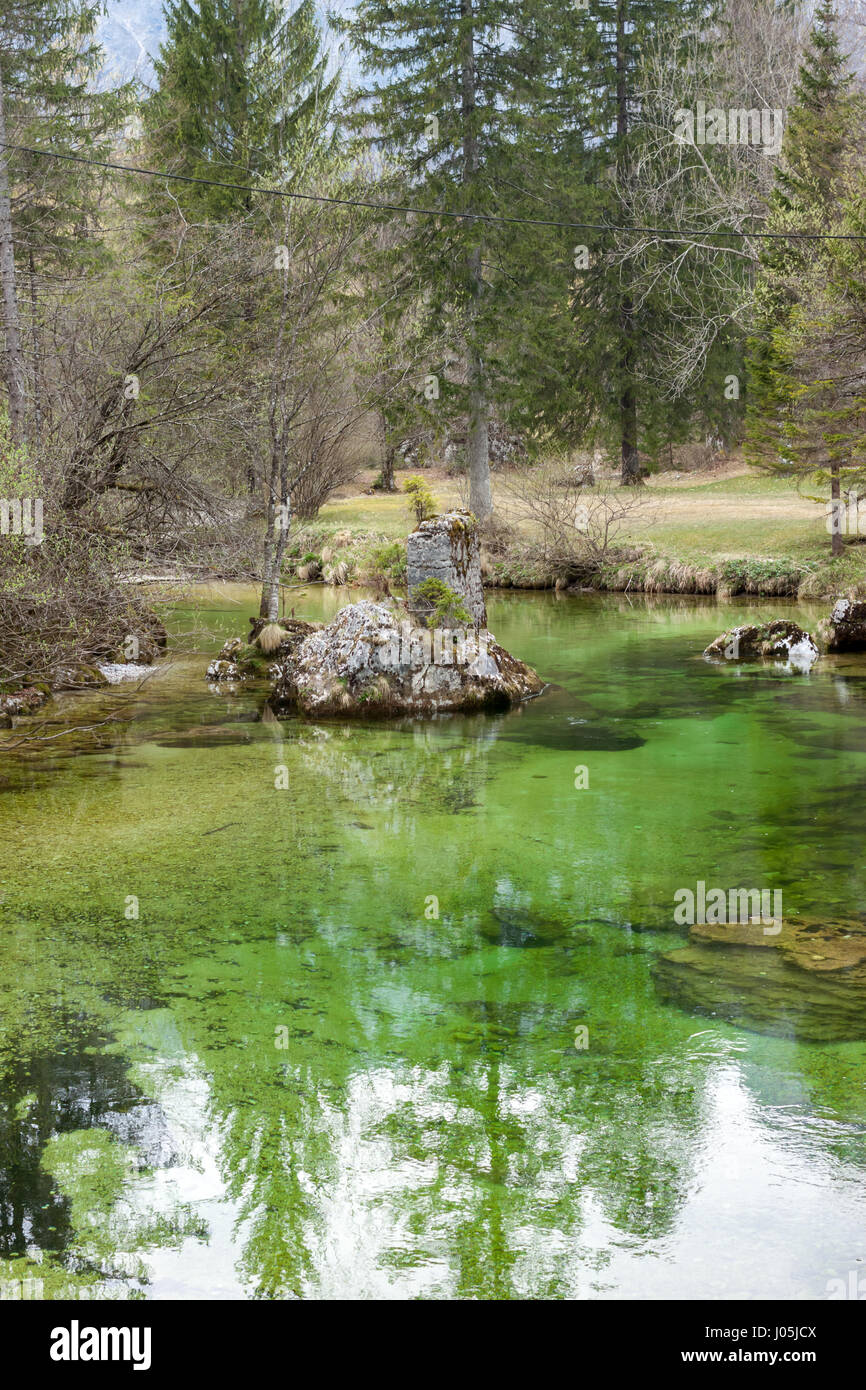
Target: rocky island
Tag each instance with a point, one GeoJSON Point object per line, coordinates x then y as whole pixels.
{"type": "Point", "coordinates": [431, 655]}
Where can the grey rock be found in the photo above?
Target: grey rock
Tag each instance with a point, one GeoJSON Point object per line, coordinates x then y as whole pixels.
{"type": "Point", "coordinates": [845, 629]}
{"type": "Point", "coordinates": [373, 659]}
{"type": "Point", "coordinates": [447, 548]}
{"type": "Point", "coordinates": [780, 641]}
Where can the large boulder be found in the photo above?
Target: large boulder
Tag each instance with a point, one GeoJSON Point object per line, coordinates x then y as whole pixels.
{"type": "Point", "coordinates": [372, 659]}
{"type": "Point", "coordinates": [845, 629]}
{"type": "Point", "coordinates": [780, 641]}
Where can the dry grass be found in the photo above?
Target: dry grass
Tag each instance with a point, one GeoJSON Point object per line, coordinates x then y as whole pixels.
{"type": "Point", "coordinates": [727, 529]}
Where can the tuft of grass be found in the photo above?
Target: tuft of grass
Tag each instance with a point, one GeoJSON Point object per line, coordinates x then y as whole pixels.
{"type": "Point", "coordinates": [271, 637]}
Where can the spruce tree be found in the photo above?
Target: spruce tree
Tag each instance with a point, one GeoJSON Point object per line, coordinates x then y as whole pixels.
{"type": "Point", "coordinates": [450, 90]}
{"type": "Point", "coordinates": [243, 97]}
{"type": "Point", "coordinates": [49, 207]}
{"type": "Point", "coordinates": [805, 405]}
{"type": "Point", "coordinates": [598, 53]}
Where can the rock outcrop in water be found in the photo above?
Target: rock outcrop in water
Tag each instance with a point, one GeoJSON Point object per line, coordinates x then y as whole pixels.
{"type": "Point", "coordinates": [806, 980]}
{"type": "Point", "coordinates": [374, 660]}
{"type": "Point", "coordinates": [242, 661]}
{"type": "Point", "coordinates": [845, 629]}
{"type": "Point", "coordinates": [432, 656]}
{"type": "Point", "coordinates": [780, 641]}
{"type": "Point", "coordinates": [23, 702]}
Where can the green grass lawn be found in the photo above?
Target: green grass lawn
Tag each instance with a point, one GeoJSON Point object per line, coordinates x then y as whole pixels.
{"type": "Point", "coordinates": [746, 516]}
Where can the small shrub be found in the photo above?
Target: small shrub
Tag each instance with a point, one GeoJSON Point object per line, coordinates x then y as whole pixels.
{"type": "Point", "coordinates": [389, 561]}
{"type": "Point", "coordinates": [421, 499]}
{"type": "Point", "coordinates": [441, 603]}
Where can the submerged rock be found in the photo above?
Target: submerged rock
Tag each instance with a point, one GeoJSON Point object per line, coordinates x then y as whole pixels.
{"type": "Point", "coordinates": [372, 659]}
{"type": "Point", "coordinates": [516, 928]}
{"type": "Point", "coordinates": [780, 641]}
{"type": "Point", "coordinates": [806, 979]}
{"type": "Point", "coordinates": [845, 629]}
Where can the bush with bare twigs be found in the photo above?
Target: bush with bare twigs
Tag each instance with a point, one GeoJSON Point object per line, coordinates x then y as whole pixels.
{"type": "Point", "coordinates": [573, 529]}
{"type": "Point", "coordinates": [61, 610]}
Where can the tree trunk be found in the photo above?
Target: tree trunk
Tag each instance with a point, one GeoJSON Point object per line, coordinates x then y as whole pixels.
{"type": "Point", "coordinates": [631, 470]}
{"type": "Point", "coordinates": [37, 360]}
{"type": "Point", "coordinates": [277, 531]}
{"type": "Point", "coordinates": [478, 443]}
{"type": "Point", "coordinates": [836, 513]}
{"type": "Point", "coordinates": [249, 315]}
{"type": "Point", "coordinates": [14, 360]}
{"type": "Point", "coordinates": [268, 567]}
{"type": "Point", "coordinates": [389, 452]}
{"type": "Point", "coordinates": [279, 550]}
{"type": "Point", "coordinates": [388, 484]}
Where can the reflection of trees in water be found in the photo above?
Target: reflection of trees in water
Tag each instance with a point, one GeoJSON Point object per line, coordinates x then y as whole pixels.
{"type": "Point", "coordinates": [277, 1160]}
{"type": "Point", "coordinates": [64, 1167]}
{"type": "Point", "coordinates": [411, 766]}
{"type": "Point", "coordinates": [408, 1141]}
{"type": "Point", "coordinates": [45, 1095]}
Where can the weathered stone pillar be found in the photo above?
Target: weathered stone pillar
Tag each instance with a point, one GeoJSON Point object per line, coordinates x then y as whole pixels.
{"type": "Point", "coordinates": [448, 548]}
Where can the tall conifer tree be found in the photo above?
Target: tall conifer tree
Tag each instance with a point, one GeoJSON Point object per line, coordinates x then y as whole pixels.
{"type": "Point", "coordinates": [243, 96]}
{"type": "Point", "coordinates": [451, 85]}
{"type": "Point", "coordinates": [806, 398]}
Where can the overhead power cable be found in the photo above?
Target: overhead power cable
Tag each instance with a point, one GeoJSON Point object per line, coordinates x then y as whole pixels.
{"type": "Point", "coordinates": [676, 233]}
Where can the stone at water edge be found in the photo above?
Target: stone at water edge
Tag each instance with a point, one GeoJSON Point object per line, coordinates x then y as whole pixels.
{"type": "Point", "coordinates": [372, 659]}
{"type": "Point", "coordinates": [780, 641]}
{"type": "Point", "coordinates": [447, 548]}
{"type": "Point", "coordinates": [845, 629]}
{"type": "Point", "coordinates": [240, 660]}
{"type": "Point", "coordinates": [24, 702]}
{"type": "Point", "coordinates": [116, 672]}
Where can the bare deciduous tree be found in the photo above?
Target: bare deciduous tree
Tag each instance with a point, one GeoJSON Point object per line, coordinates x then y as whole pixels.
{"type": "Point", "coordinates": [702, 283]}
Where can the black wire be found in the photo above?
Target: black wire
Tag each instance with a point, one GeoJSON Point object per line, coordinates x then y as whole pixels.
{"type": "Point", "coordinates": [674, 232]}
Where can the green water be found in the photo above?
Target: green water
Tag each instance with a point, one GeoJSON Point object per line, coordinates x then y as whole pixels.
{"type": "Point", "coordinates": [288, 1076]}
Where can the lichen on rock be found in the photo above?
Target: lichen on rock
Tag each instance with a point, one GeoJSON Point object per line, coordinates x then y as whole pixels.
{"type": "Point", "coordinates": [447, 549]}
{"type": "Point", "coordinates": [845, 629]}
{"type": "Point", "coordinates": [373, 659]}
{"type": "Point", "coordinates": [781, 641]}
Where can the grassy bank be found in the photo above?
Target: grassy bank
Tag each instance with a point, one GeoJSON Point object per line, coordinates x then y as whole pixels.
{"type": "Point", "coordinates": [731, 532]}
